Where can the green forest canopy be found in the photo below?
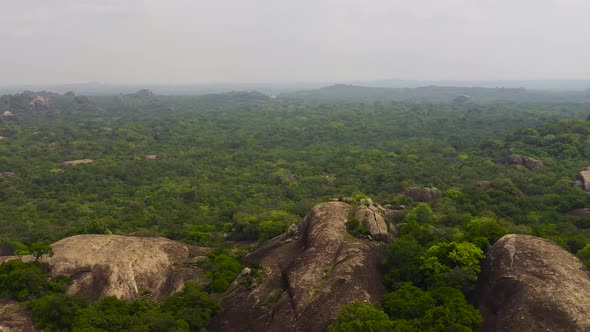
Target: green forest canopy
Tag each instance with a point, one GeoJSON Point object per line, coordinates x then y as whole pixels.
{"type": "Point", "coordinates": [241, 166]}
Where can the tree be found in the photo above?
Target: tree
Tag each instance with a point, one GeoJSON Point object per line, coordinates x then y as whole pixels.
{"type": "Point", "coordinates": [361, 317]}
{"type": "Point", "coordinates": [57, 312]}
{"type": "Point", "coordinates": [23, 281]}
{"type": "Point", "coordinates": [584, 255]}
{"type": "Point", "coordinates": [452, 312]}
{"type": "Point", "coordinates": [40, 249]}
{"type": "Point", "coordinates": [484, 231]}
{"type": "Point", "coordinates": [402, 262]}
{"type": "Point", "coordinates": [454, 264]}
{"type": "Point", "coordinates": [407, 302]}
{"type": "Point", "coordinates": [191, 305]}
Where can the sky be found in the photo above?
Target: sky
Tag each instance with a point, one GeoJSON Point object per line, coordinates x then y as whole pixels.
{"type": "Point", "coordinates": [198, 41]}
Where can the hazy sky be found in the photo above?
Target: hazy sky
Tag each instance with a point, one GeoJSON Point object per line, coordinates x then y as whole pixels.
{"type": "Point", "coordinates": [196, 41]}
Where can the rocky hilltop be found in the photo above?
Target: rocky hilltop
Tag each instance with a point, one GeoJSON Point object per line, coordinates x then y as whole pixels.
{"type": "Point", "coordinates": [124, 266]}
{"type": "Point", "coordinates": [306, 276]}
{"type": "Point", "coordinates": [531, 284]}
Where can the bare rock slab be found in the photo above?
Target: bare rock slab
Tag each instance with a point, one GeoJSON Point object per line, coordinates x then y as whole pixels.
{"type": "Point", "coordinates": [309, 275]}
{"type": "Point", "coordinates": [123, 266]}
{"type": "Point", "coordinates": [532, 284]}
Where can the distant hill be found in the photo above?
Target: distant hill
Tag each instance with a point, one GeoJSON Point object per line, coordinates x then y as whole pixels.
{"type": "Point", "coordinates": [342, 93]}
{"type": "Point", "coordinates": [554, 85]}
{"type": "Point", "coordinates": [95, 88]}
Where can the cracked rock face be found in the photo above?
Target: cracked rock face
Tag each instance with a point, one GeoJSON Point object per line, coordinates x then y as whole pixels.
{"type": "Point", "coordinates": [531, 284]}
{"type": "Point", "coordinates": [124, 266]}
{"type": "Point", "coordinates": [373, 215]}
{"type": "Point", "coordinates": [308, 277]}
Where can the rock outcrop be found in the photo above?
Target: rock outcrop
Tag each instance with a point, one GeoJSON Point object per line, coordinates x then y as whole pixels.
{"type": "Point", "coordinates": [528, 162]}
{"type": "Point", "coordinates": [308, 275]}
{"type": "Point", "coordinates": [584, 212]}
{"type": "Point", "coordinates": [423, 194]}
{"type": "Point", "coordinates": [14, 317]}
{"type": "Point", "coordinates": [7, 174]}
{"type": "Point", "coordinates": [484, 185]}
{"type": "Point", "coordinates": [40, 103]}
{"type": "Point", "coordinates": [71, 163]}
{"type": "Point", "coordinates": [153, 157]}
{"type": "Point", "coordinates": [124, 266]}
{"type": "Point", "coordinates": [7, 115]}
{"type": "Point", "coordinates": [374, 216]}
{"type": "Point", "coordinates": [532, 284]}
{"type": "Point", "coordinates": [144, 93]}
{"type": "Point", "coordinates": [462, 99]}
{"type": "Point", "coordinates": [584, 178]}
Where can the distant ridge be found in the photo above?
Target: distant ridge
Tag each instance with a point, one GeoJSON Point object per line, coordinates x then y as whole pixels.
{"type": "Point", "coordinates": [96, 88]}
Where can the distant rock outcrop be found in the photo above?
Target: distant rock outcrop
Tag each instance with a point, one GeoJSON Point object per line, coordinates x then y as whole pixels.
{"type": "Point", "coordinates": [528, 162]}
{"type": "Point", "coordinates": [145, 93]}
{"type": "Point", "coordinates": [124, 266]}
{"type": "Point", "coordinates": [40, 103]}
{"type": "Point", "coordinates": [7, 115]}
{"type": "Point", "coordinates": [462, 99]}
{"type": "Point", "coordinates": [584, 178]}
{"type": "Point", "coordinates": [585, 212]}
{"type": "Point", "coordinates": [532, 284]}
{"type": "Point", "coordinates": [309, 274]}
{"type": "Point", "coordinates": [153, 157]}
{"type": "Point", "coordinates": [71, 163]}
{"type": "Point", "coordinates": [484, 185]}
{"type": "Point", "coordinates": [82, 100]}
{"type": "Point", "coordinates": [423, 194]}
{"type": "Point", "coordinates": [7, 174]}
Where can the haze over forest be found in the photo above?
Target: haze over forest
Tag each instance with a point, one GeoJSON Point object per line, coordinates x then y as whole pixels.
{"type": "Point", "coordinates": [196, 42]}
{"type": "Point", "coordinates": [285, 166]}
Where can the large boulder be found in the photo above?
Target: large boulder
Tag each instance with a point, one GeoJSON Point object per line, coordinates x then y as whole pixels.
{"type": "Point", "coordinates": [124, 266]}
{"type": "Point", "coordinates": [373, 217]}
{"type": "Point", "coordinates": [532, 284]}
{"type": "Point", "coordinates": [423, 194]}
{"type": "Point", "coordinates": [308, 275]}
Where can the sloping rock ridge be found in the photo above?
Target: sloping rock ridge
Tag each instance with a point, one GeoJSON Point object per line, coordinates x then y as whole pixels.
{"type": "Point", "coordinates": [531, 284]}
{"type": "Point", "coordinates": [124, 266]}
{"type": "Point", "coordinates": [308, 275]}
